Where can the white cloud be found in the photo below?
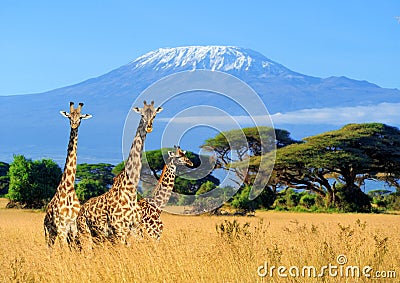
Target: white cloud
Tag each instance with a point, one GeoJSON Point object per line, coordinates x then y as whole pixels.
{"type": "Point", "coordinates": [388, 113]}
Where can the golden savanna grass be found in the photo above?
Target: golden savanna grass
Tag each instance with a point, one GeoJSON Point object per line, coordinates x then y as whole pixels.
{"type": "Point", "coordinates": [193, 250]}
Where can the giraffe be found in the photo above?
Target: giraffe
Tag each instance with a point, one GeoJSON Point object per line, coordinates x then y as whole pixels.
{"type": "Point", "coordinates": [151, 207]}
{"type": "Point", "coordinates": [112, 215]}
{"type": "Point", "coordinates": [62, 210]}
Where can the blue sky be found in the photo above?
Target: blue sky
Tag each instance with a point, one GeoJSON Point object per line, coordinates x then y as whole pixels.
{"type": "Point", "coordinates": [51, 44]}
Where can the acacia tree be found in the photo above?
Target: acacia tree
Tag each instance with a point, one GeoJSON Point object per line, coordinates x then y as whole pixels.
{"type": "Point", "coordinates": [349, 155]}
{"type": "Point", "coordinates": [237, 146]}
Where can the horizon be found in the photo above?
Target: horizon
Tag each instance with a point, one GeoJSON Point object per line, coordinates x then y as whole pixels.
{"type": "Point", "coordinates": [54, 51]}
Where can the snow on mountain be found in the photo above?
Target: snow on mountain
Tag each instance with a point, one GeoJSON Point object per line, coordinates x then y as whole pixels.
{"type": "Point", "coordinates": [215, 58]}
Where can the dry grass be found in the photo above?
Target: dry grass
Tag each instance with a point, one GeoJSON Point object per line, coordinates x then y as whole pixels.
{"type": "Point", "coordinates": [191, 249]}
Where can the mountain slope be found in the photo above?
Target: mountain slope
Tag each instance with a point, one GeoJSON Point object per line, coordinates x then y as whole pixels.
{"type": "Point", "coordinates": [269, 79]}
{"type": "Point", "coordinates": [34, 127]}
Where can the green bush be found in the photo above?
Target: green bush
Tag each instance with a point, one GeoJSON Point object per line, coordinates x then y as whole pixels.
{"type": "Point", "coordinates": [353, 200]}
{"type": "Point", "coordinates": [307, 200]}
{"type": "Point", "coordinates": [241, 199]}
{"type": "Point", "coordinates": [393, 201]}
{"type": "Point", "coordinates": [93, 180]}
{"type": "Point", "coordinates": [206, 187]}
{"type": "Point", "coordinates": [88, 188]}
{"type": "Point", "coordinates": [32, 183]}
{"type": "Point", "coordinates": [292, 198]}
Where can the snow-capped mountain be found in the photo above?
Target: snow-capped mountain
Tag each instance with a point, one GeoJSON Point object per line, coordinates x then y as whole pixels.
{"type": "Point", "coordinates": [302, 104]}
{"type": "Point", "coordinates": [283, 89]}
{"type": "Point", "coordinates": [216, 58]}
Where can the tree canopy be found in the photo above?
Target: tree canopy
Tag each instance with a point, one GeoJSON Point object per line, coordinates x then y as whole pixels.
{"type": "Point", "coordinates": [241, 144]}
{"type": "Point", "coordinates": [349, 156]}
{"type": "Point", "coordinates": [93, 180]}
{"type": "Point", "coordinates": [329, 169]}
{"type": "Point", "coordinates": [32, 183]}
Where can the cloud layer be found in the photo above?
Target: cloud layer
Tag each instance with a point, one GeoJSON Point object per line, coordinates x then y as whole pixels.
{"type": "Point", "coordinates": [388, 113]}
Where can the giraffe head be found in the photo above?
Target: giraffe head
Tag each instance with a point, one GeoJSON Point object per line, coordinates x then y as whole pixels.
{"type": "Point", "coordinates": [148, 113]}
{"type": "Point", "coordinates": [75, 115]}
{"type": "Point", "coordinates": [179, 157]}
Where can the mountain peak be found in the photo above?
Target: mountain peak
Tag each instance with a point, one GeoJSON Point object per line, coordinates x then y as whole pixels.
{"type": "Point", "coordinates": [231, 59]}
{"type": "Point", "coordinates": [308, 105]}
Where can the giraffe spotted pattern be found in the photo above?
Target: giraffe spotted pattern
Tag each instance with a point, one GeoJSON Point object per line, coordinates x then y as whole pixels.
{"type": "Point", "coordinates": [150, 208]}
{"type": "Point", "coordinates": [113, 215]}
{"type": "Point", "coordinates": [62, 210]}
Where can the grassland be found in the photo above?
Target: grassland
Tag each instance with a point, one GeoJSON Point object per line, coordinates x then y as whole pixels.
{"type": "Point", "coordinates": [193, 250]}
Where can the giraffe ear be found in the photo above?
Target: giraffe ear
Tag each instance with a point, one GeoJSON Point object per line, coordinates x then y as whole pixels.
{"type": "Point", "coordinates": [64, 113]}
{"type": "Point", "coordinates": [171, 154]}
{"type": "Point", "coordinates": [86, 116]}
{"type": "Point", "coordinates": [136, 109]}
{"type": "Point", "coordinates": [159, 109]}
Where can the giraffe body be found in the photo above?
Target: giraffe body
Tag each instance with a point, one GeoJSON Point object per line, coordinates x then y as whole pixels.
{"type": "Point", "coordinates": [151, 207]}
{"type": "Point", "coordinates": [151, 224]}
{"type": "Point", "coordinates": [62, 210]}
{"type": "Point", "coordinates": [112, 215]}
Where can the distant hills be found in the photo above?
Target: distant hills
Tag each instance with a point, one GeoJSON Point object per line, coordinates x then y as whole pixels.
{"type": "Point", "coordinates": [304, 105]}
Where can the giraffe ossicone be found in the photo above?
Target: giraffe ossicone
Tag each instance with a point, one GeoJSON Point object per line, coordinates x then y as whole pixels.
{"type": "Point", "coordinates": [62, 210]}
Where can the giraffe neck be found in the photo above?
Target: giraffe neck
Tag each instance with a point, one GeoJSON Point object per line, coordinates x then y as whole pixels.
{"type": "Point", "coordinates": [133, 164]}
{"type": "Point", "coordinates": [68, 176]}
{"type": "Point", "coordinates": [165, 185]}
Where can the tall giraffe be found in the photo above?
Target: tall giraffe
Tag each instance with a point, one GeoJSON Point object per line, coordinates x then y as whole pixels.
{"type": "Point", "coordinates": [112, 215]}
{"type": "Point", "coordinates": [62, 210]}
{"type": "Point", "coordinates": [151, 207]}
